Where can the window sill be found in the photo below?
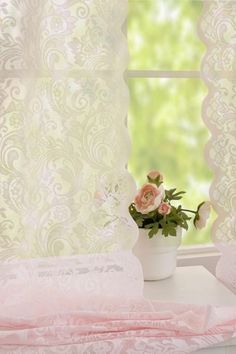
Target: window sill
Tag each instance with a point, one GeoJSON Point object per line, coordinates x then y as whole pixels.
{"type": "Point", "coordinates": [205, 255]}
{"type": "Point", "coordinates": [197, 250]}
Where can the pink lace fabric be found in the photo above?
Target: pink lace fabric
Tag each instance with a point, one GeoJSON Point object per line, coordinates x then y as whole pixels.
{"type": "Point", "coordinates": [94, 304]}
{"type": "Point", "coordinates": [36, 287]}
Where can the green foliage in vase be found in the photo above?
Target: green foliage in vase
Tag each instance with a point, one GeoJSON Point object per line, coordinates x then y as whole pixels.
{"type": "Point", "coordinates": [154, 208]}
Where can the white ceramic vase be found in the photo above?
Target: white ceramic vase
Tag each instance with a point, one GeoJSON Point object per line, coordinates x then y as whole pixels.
{"type": "Point", "coordinates": [158, 254]}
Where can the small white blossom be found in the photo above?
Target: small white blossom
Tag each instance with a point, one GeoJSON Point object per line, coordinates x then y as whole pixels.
{"type": "Point", "coordinates": [202, 215]}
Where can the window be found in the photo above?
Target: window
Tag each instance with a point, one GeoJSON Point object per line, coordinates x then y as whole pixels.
{"type": "Point", "coordinates": [166, 94]}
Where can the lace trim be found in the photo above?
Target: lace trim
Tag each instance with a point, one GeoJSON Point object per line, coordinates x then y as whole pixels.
{"type": "Point", "coordinates": [218, 31]}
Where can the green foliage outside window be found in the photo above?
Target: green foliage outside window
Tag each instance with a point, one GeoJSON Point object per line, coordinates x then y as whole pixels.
{"type": "Point", "coordinates": [162, 34]}
{"type": "Point", "coordinates": [165, 123]}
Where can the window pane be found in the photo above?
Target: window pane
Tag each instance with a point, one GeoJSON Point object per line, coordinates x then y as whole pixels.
{"type": "Point", "coordinates": [168, 134]}
{"type": "Point", "coordinates": [162, 34]}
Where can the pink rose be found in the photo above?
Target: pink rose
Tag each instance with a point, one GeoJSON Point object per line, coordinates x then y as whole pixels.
{"type": "Point", "coordinates": [202, 215]}
{"type": "Point", "coordinates": [149, 198]}
{"type": "Point", "coordinates": [164, 208]}
{"type": "Point", "coordinates": [154, 174]}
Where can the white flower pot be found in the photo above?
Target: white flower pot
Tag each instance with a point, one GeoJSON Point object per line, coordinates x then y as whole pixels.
{"type": "Point", "coordinates": [158, 254]}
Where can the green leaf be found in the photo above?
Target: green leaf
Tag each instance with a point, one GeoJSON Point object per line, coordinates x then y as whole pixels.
{"type": "Point", "coordinates": [153, 230]}
{"type": "Point", "coordinates": [155, 181]}
{"type": "Point", "coordinates": [172, 232]}
{"type": "Point", "coordinates": [184, 216]}
{"type": "Point", "coordinates": [172, 190]}
{"type": "Point", "coordinates": [171, 195]}
{"type": "Point", "coordinates": [162, 222]}
{"type": "Point", "coordinates": [165, 231]}
{"type": "Point", "coordinates": [179, 193]}
{"type": "Point", "coordinates": [139, 222]}
{"type": "Point", "coordinates": [184, 225]}
{"type": "Point", "coordinates": [149, 226]}
{"type": "Point", "coordinates": [176, 197]}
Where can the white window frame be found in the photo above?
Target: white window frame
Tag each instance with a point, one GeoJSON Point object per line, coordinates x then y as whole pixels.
{"type": "Point", "coordinates": [152, 74]}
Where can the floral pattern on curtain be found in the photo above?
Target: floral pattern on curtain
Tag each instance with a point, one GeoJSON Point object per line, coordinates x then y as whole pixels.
{"type": "Point", "coordinates": [64, 190]}
{"type": "Point", "coordinates": [64, 187]}
{"type": "Point", "coordinates": [218, 31]}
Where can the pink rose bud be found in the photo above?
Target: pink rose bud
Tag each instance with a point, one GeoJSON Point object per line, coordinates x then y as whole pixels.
{"type": "Point", "coordinates": [154, 174]}
{"type": "Point", "coordinates": [164, 208]}
{"type": "Point", "coordinates": [149, 197]}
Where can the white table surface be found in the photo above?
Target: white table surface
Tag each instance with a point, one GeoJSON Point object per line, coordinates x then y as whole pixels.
{"type": "Point", "coordinates": [194, 285]}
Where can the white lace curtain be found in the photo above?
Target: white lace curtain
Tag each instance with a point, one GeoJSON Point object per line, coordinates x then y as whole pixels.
{"type": "Point", "coordinates": [218, 31]}
{"type": "Point", "coordinates": [64, 188]}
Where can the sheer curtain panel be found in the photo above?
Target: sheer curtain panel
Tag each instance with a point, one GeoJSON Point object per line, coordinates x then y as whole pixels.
{"type": "Point", "coordinates": [64, 188]}
{"type": "Point", "coordinates": [218, 31]}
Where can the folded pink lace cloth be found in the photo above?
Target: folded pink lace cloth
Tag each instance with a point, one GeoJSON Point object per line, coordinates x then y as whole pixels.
{"type": "Point", "coordinates": [94, 304]}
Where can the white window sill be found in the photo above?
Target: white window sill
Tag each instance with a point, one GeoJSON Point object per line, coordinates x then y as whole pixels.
{"type": "Point", "coordinates": [197, 249]}
{"type": "Point", "coordinates": [205, 255]}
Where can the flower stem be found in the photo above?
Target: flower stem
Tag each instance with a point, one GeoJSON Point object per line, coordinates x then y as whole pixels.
{"type": "Point", "coordinates": [190, 211]}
